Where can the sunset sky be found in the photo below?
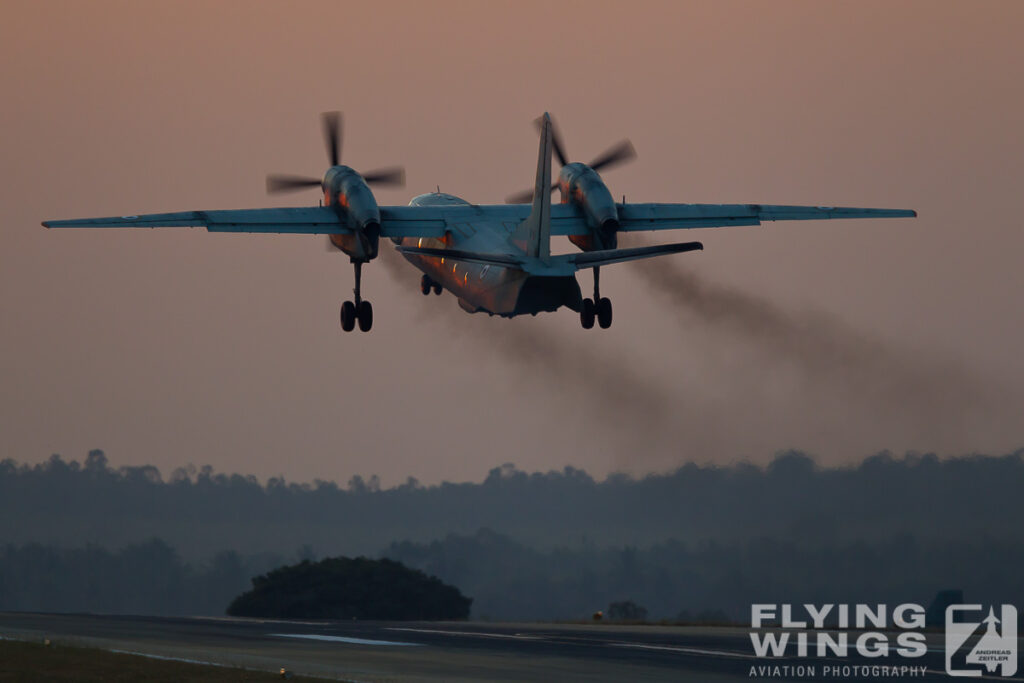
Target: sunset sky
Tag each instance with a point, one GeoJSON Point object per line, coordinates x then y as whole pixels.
{"type": "Point", "coordinates": [177, 346]}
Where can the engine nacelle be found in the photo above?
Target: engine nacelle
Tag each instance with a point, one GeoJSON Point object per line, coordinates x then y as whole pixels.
{"type": "Point", "coordinates": [347, 193]}
{"type": "Point", "coordinates": [582, 185]}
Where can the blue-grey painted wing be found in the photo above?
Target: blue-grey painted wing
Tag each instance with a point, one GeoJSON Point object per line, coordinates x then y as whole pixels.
{"type": "Point", "coordinates": [396, 221]}
{"type": "Point", "coordinates": [634, 217]}
{"type": "Point", "coordinates": [301, 220]}
{"type": "Point", "coordinates": [413, 221]}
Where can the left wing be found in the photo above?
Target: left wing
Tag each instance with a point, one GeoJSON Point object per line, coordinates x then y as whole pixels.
{"type": "Point", "coordinates": [403, 221]}
{"type": "Point", "coordinates": [313, 219]}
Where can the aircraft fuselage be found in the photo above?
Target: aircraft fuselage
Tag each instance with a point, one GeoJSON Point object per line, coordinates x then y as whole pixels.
{"type": "Point", "coordinates": [488, 288]}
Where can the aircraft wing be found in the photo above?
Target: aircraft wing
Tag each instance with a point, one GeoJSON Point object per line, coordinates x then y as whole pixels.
{"type": "Point", "coordinates": [313, 219]}
{"type": "Point", "coordinates": [635, 217]}
{"type": "Point", "coordinates": [404, 221]}
{"type": "Point", "coordinates": [433, 221]}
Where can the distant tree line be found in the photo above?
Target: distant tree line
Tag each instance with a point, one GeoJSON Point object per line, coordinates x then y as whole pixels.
{"type": "Point", "coordinates": [705, 582]}
{"type": "Point", "coordinates": [710, 581]}
{"type": "Point", "coordinates": [200, 512]}
{"type": "Point", "coordinates": [700, 542]}
{"type": "Point", "coordinates": [141, 578]}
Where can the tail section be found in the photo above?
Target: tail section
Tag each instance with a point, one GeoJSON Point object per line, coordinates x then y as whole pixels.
{"type": "Point", "coordinates": [533, 235]}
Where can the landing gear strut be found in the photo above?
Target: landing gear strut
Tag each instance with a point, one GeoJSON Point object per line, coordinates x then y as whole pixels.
{"type": "Point", "coordinates": [357, 311]}
{"type": "Point", "coordinates": [599, 307]}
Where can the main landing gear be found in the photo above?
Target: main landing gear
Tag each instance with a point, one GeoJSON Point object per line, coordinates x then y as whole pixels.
{"type": "Point", "coordinates": [599, 307]}
{"type": "Point", "coordinates": [357, 311]}
{"type": "Point", "coordinates": [426, 285]}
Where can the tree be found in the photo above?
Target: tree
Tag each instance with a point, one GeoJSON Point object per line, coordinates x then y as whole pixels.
{"type": "Point", "coordinates": [350, 588]}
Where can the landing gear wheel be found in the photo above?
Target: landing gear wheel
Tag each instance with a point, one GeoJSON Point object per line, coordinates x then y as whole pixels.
{"type": "Point", "coordinates": [425, 285]}
{"type": "Point", "coordinates": [348, 316]}
{"type": "Point", "coordinates": [365, 314]}
{"type": "Point", "coordinates": [604, 312]}
{"type": "Point", "coordinates": [437, 289]}
{"type": "Point", "coordinates": [587, 314]}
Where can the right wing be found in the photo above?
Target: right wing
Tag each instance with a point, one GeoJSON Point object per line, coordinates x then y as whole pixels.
{"type": "Point", "coordinates": [634, 217]}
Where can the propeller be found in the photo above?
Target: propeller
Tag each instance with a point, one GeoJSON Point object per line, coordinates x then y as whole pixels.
{"type": "Point", "coordinates": [331, 121]}
{"type": "Point", "coordinates": [386, 176]}
{"type": "Point", "coordinates": [332, 127]}
{"type": "Point", "coordinates": [289, 183]}
{"type": "Point", "coordinates": [613, 156]}
{"type": "Point", "coordinates": [619, 154]}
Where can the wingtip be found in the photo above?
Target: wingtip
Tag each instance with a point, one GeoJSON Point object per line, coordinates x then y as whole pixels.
{"type": "Point", "coordinates": [45, 224]}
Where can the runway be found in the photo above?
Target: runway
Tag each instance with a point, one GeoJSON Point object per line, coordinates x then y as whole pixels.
{"type": "Point", "coordinates": [407, 652]}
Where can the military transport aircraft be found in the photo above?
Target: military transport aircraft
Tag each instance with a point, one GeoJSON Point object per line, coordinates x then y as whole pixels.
{"type": "Point", "coordinates": [495, 259]}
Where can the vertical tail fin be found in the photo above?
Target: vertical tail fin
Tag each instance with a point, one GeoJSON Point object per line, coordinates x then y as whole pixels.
{"type": "Point", "coordinates": [533, 235]}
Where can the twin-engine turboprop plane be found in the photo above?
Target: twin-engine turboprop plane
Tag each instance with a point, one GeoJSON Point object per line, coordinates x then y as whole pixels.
{"type": "Point", "coordinates": [495, 259]}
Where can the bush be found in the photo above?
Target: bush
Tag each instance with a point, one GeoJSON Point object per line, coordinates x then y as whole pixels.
{"type": "Point", "coordinates": [350, 588]}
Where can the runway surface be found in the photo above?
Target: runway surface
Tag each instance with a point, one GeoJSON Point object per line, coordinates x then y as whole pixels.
{"type": "Point", "coordinates": [402, 652]}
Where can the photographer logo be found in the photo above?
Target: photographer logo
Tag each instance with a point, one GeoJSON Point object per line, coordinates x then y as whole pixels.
{"type": "Point", "coordinates": [995, 650]}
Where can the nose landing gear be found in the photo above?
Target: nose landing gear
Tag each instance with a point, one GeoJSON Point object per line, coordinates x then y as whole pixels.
{"type": "Point", "coordinates": [358, 311]}
{"type": "Point", "coordinates": [427, 285]}
{"type": "Point", "coordinates": [599, 307]}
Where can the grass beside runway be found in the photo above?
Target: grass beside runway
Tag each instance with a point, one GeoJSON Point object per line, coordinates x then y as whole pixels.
{"type": "Point", "coordinates": [24, 661]}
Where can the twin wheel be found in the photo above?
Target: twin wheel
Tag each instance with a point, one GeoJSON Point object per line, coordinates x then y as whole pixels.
{"type": "Point", "coordinates": [361, 312]}
{"type": "Point", "coordinates": [358, 311]}
{"type": "Point", "coordinates": [602, 311]}
{"type": "Point", "coordinates": [427, 285]}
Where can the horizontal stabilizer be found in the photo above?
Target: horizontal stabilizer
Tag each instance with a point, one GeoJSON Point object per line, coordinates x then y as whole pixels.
{"type": "Point", "coordinates": [592, 259]}
{"type": "Point", "coordinates": [459, 255]}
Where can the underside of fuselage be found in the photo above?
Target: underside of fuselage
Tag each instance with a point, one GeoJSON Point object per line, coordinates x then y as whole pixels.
{"type": "Point", "coordinates": [499, 290]}
{"type": "Point", "coordinates": [545, 293]}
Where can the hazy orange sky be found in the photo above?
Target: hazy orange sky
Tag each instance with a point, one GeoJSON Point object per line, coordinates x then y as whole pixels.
{"type": "Point", "coordinates": [176, 346]}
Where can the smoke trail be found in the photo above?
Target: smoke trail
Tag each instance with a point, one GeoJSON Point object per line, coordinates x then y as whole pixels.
{"type": "Point", "coordinates": [603, 378]}
{"type": "Point", "coordinates": [899, 388]}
